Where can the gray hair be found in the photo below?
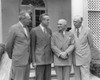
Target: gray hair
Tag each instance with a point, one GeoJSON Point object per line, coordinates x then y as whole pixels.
{"type": "Point", "coordinates": [23, 14]}
{"type": "Point", "coordinates": [78, 18]}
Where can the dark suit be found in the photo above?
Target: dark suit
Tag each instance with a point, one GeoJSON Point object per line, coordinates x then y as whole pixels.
{"type": "Point", "coordinates": [18, 50]}
{"type": "Point", "coordinates": [41, 51]}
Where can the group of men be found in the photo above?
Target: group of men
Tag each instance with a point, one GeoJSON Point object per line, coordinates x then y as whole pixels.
{"type": "Point", "coordinates": [41, 47]}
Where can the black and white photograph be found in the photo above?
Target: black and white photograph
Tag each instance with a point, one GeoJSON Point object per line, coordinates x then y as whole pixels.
{"type": "Point", "coordinates": [49, 39]}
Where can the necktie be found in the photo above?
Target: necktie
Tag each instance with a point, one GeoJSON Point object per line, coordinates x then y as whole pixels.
{"type": "Point", "coordinates": [78, 32]}
{"type": "Point", "coordinates": [45, 31]}
{"type": "Point", "coordinates": [26, 32]}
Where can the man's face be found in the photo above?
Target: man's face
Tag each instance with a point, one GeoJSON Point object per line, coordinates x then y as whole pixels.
{"type": "Point", "coordinates": [61, 25]}
{"type": "Point", "coordinates": [27, 19]}
{"type": "Point", "coordinates": [46, 20]}
{"type": "Point", "coordinates": [77, 23]}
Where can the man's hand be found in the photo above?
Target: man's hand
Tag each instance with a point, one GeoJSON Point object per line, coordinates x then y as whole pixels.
{"type": "Point", "coordinates": [63, 55]}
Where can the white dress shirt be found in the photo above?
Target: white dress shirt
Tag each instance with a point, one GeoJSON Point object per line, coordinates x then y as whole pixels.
{"type": "Point", "coordinates": [42, 28]}
{"type": "Point", "coordinates": [24, 28]}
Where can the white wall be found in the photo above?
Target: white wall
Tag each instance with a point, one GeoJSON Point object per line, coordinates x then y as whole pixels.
{"type": "Point", "coordinates": [0, 23]}
{"type": "Point", "coordinates": [80, 7]}
{"type": "Point", "coordinates": [77, 8]}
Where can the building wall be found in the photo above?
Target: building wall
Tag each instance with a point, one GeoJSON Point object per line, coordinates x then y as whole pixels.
{"type": "Point", "coordinates": [10, 11]}
{"type": "Point", "coordinates": [0, 23]}
{"type": "Point", "coordinates": [94, 20]}
{"type": "Point", "coordinates": [56, 8]}
{"type": "Point", "coordinates": [59, 9]}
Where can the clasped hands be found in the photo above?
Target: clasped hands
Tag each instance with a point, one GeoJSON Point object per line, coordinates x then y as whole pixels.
{"type": "Point", "coordinates": [63, 55]}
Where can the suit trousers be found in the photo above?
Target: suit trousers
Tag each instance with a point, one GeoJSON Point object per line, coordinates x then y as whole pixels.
{"type": "Point", "coordinates": [20, 72]}
{"type": "Point", "coordinates": [82, 72]}
{"type": "Point", "coordinates": [63, 72]}
{"type": "Point", "coordinates": [43, 72]}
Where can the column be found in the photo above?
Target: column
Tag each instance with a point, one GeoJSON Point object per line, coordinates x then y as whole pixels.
{"type": "Point", "coordinates": [77, 8]}
{"type": "Point", "coordinates": [0, 23]}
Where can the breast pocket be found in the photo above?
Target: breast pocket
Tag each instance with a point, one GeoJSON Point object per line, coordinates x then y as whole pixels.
{"type": "Point", "coordinates": [20, 38]}
{"type": "Point", "coordinates": [84, 38]}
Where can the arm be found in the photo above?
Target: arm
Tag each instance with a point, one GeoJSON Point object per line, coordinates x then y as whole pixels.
{"type": "Point", "coordinates": [10, 42]}
{"type": "Point", "coordinates": [52, 54]}
{"type": "Point", "coordinates": [94, 51]}
{"type": "Point", "coordinates": [56, 50]}
{"type": "Point", "coordinates": [71, 46]}
{"type": "Point", "coordinates": [33, 45]}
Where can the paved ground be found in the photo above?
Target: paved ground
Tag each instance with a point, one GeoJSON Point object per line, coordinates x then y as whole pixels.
{"type": "Point", "coordinates": [5, 65]}
{"type": "Point", "coordinates": [92, 77]}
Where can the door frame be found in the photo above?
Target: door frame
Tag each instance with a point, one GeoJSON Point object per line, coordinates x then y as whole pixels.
{"type": "Point", "coordinates": [33, 16]}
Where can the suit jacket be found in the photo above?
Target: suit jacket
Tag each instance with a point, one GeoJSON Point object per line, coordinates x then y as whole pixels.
{"type": "Point", "coordinates": [17, 45]}
{"type": "Point", "coordinates": [60, 44]}
{"type": "Point", "coordinates": [41, 46]}
{"type": "Point", "coordinates": [83, 47]}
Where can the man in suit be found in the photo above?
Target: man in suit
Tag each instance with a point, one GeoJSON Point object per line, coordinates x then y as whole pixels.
{"type": "Point", "coordinates": [17, 47]}
{"type": "Point", "coordinates": [41, 48]}
{"type": "Point", "coordinates": [83, 49]}
{"type": "Point", "coordinates": [62, 44]}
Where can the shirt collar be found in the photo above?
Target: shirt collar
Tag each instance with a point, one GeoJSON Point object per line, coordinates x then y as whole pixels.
{"type": "Point", "coordinates": [42, 27]}
{"type": "Point", "coordinates": [64, 32]}
{"type": "Point", "coordinates": [21, 24]}
{"type": "Point", "coordinates": [80, 29]}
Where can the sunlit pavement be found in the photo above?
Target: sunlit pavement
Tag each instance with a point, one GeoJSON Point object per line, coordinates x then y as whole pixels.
{"type": "Point", "coordinates": [92, 77]}
{"type": "Point", "coordinates": [6, 66]}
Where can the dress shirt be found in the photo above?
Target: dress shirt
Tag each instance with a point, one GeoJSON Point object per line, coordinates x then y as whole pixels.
{"type": "Point", "coordinates": [78, 32]}
{"type": "Point", "coordinates": [43, 29]}
{"type": "Point", "coordinates": [25, 30]}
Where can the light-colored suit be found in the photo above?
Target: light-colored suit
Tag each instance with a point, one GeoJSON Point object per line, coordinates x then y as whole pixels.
{"type": "Point", "coordinates": [60, 44]}
{"type": "Point", "coordinates": [18, 50]}
{"type": "Point", "coordinates": [82, 53]}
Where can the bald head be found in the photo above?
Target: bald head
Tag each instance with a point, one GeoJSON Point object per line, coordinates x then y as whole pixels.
{"type": "Point", "coordinates": [62, 21]}
{"type": "Point", "coordinates": [62, 24]}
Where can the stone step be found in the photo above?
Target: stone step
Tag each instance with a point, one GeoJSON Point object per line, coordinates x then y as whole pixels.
{"type": "Point", "coordinates": [53, 73]}
{"type": "Point", "coordinates": [32, 72]}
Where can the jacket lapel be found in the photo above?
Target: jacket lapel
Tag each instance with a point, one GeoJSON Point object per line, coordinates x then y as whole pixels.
{"type": "Point", "coordinates": [66, 38]}
{"type": "Point", "coordinates": [60, 38]}
{"type": "Point", "coordinates": [22, 30]}
{"type": "Point", "coordinates": [28, 34]}
{"type": "Point", "coordinates": [47, 35]}
{"type": "Point", "coordinates": [41, 32]}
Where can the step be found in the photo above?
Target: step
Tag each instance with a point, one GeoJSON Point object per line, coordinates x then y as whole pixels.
{"type": "Point", "coordinates": [53, 73]}
{"type": "Point", "coordinates": [32, 73]}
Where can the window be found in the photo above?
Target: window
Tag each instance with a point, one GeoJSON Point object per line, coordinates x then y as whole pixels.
{"type": "Point", "coordinates": [36, 3]}
{"type": "Point", "coordinates": [38, 12]}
